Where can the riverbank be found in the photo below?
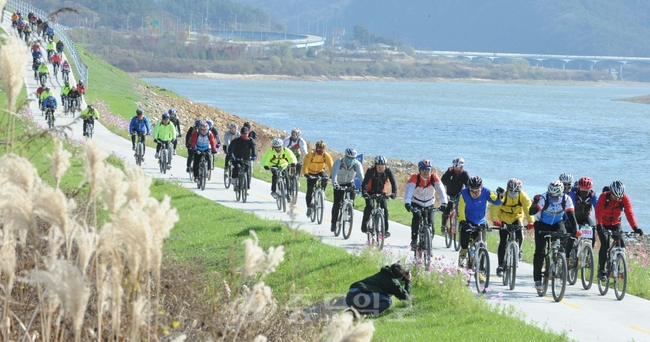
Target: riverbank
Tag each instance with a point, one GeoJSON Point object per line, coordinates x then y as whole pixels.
{"type": "Point", "coordinates": [645, 99]}
{"type": "Point", "coordinates": [258, 77]}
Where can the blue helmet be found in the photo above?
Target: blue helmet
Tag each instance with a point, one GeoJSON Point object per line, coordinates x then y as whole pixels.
{"type": "Point", "coordinates": [209, 122]}
{"type": "Point", "coordinates": [380, 160]}
{"type": "Point", "coordinates": [171, 111]}
{"type": "Point", "coordinates": [165, 116]}
{"type": "Point", "coordinates": [198, 122]}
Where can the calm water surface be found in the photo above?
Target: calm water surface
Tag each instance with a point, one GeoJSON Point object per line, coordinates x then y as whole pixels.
{"type": "Point", "coordinates": [530, 132]}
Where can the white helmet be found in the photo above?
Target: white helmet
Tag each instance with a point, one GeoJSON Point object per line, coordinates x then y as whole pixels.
{"type": "Point", "coordinates": [458, 163]}
{"type": "Point", "coordinates": [617, 189]}
{"type": "Point", "coordinates": [555, 188]}
{"type": "Point", "coordinates": [566, 177]}
{"type": "Point", "coordinates": [277, 142]}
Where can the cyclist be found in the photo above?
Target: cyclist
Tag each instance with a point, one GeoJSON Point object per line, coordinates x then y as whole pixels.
{"type": "Point", "coordinates": [81, 87]}
{"type": "Point", "coordinates": [45, 94]}
{"type": "Point", "coordinates": [188, 136]}
{"type": "Point", "coordinates": [43, 70]}
{"type": "Point", "coordinates": [251, 133]}
{"type": "Point", "coordinates": [50, 102]}
{"type": "Point", "coordinates": [420, 192]}
{"type": "Point", "coordinates": [36, 54]}
{"type": "Point", "coordinates": [297, 145]}
{"type": "Point", "coordinates": [231, 134]}
{"type": "Point", "coordinates": [374, 182]}
{"type": "Point", "coordinates": [314, 165]}
{"type": "Point", "coordinates": [472, 206]}
{"type": "Point", "coordinates": [49, 47]}
{"type": "Point", "coordinates": [202, 140]}
{"type": "Point", "coordinates": [75, 97]}
{"type": "Point", "coordinates": [549, 210]}
{"type": "Point", "coordinates": [59, 46]}
{"type": "Point", "coordinates": [39, 91]}
{"type": "Point", "coordinates": [514, 207]}
{"type": "Point", "coordinates": [609, 209]}
{"type": "Point", "coordinates": [241, 148]}
{"type": "Point", "coordinates": [65, 90]}
{"type": "Point", "coordinates": [139, 125]}
{"type": "Point", "coordinates": [88, 115]}
{"type": "Point", "coordinates": [277, 156]}
{"type": "Point", "coordinates": [454, 180]}
{"type": "Point", "coordinates": [65, 68]}
{"type": "Point", "coordinates": [214, 131]}
{"type": "Point", "coordinates": [584, 198]}
{"type": "Point", "coordinates": [567, 180]}
{"type": "Point", "coordinates": [177, 123]}
{"type": "Point", "coordinates": [344, 171]}
{"type": "Point", "coordinates": [36, 47]}
{"type": "Point", "coordinates": [164, 132]}
{"type": "Point", "coordinates": [371, 296]}
{"type": "Point", "coordinates": [56, 61]}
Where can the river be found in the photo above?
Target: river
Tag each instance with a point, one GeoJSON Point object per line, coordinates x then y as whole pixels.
{"type": "Point", "coordinates": [532, 132]}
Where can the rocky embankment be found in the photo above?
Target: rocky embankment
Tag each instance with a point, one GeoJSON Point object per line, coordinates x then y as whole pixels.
{"type": "Point", "coordinates": [158, 102]}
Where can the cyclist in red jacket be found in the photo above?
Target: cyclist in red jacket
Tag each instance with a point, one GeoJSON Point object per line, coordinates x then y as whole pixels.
{"type": "Point", "coordinates": [609, 209]}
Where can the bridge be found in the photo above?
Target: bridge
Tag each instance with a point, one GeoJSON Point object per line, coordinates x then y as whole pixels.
{"type": "Point", "coordinates": [537, 58]}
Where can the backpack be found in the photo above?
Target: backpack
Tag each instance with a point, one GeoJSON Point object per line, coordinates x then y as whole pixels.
{"type": "Point", "coordinates": [563, 202]}
{"type": "Point", "coordinates": [607, 199]}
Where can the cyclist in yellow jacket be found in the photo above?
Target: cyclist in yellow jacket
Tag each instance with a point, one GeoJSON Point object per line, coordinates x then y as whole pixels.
{"type": "Point", "coordinates": [164, 132]}
{"type": "Point", "coordinates": [513, 208]}
{"type": "Point", "coordinates": [278, 156]}
{"type": "Point", "coordinates": [314, 165]}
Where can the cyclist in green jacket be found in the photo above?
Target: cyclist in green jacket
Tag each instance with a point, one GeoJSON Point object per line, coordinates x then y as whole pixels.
{"type": "Point", "coordinates": [88, 115]}
{"type": "Point", "coordinates": [278, 156]}
{"type": "Point", "coordinates": [371, 296]}
{"type": "Point", "coordinates": [164, 131]}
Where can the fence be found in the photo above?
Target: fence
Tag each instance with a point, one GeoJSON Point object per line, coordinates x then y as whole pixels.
{"type": "Point", "coordinates": [60, 31]}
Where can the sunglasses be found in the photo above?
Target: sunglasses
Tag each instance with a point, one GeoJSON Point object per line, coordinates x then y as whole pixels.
{"type": "Point", "coordinates": [474, 191]}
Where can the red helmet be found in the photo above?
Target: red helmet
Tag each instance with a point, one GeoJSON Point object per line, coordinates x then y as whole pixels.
{"type": "Point", "coordinates": [585, 183]}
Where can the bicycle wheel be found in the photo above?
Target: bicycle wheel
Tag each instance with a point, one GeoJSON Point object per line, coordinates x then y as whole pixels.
{"type": "Point", "coordinates": [226, 176]}
{"type": "Point", "coordinates": [283, 196]}
{"type": "Point", "coordinates": [162, 161]}
{"type": "Point", "coordinates": [587, 267]}
{"type": "Point", "coordinates": [559, 279]}
{"type": "Point", "coordinates": [572, 273]}
{"type": "Point", "coordinates": [295, 186]}
{"type": "Point", "coordinates": [238, 184]}
{"type": "Point", "coordinates": [454, 233]}
{"type": "Point", "coordinates": [448, 237]}
{"type": "Point", "coordinates": [244, 189]}
{"type": "Point", "coordinates": [198, 180]}
{"type": "Point", "coordinates": [320, 206]}
{"type": "Point", "coordinates": [482, 270]}
{"type": "Point", "coordinates": [512, 268]}
{"type": "Point", "coordinates": [427, 249]}
{"type": "Point", "coordinates": [339, 221]}
{"type": "Point", "coordinates": [380, 229]}
{"type": "Point", "coordinates": [603, 286]}
{"type": "Point", "coordinates": [202, 178]}
{"type": "Point", "coordinates": [140, 153]}
{"type": "Point", "coordinates": [370, 235]}
{"type": "Point", "coordinates": [91, 129]}
{"type": "Point", "coordinates": [346, 225]}
{"type": "Point", "coordinates": [546, 274]}
{"type": "Point", "coordinates": [620, 276]}
{"type": "Point", "coordinates": [278, 198]}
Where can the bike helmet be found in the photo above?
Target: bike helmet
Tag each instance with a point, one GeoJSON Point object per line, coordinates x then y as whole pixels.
{"type": "Point", "coordinates": [425, 164]}
{"type": "Point", "coordinates": [165, 116]}
{"type": "Point", "coordinates": [320, 145]}
{"type": "Point", "coordinates": [514, 184]}
{"type": "Point", "coordinates": [585, 183]}
{"type": "Point", "coordinates": [90, 107]}
{"type": "Point", "coordinates": [138, 111]}
{"type": "Point", "coordinates": [171, 111]}
{"type": "Point", "coordinates": [233, 126]}
{"type": "Point", "coordinates": [197, 122]}
{"type": "Point", "coordinates": [74, 88]}
{"type": "Point", "coordinates": [555, 188]}
{"type": "Point", "coordinates": [248, 124]}
{"type": "Point", "coordinates": [566, 177]}
{"type": "Point", "coordinates": [43, 85]}
{"type": "Point", "coordinates": [458, 163]}
{"type": "Point", "coordinates": [617, 189]}
{"type": "Point", "coordinates": [295, 131]}
{"type": "Point", "coordinates": [380, 160]}
{"type": "Point", "coordinates": [47, 88]}
{"type": "Point", "coordinates": [475, 183]}
{"type": "Point", "coordinates": [244, 130]}
{"type": "Point", "coordinates": [277, 142]}
{"type": "Point", "coordinates": [209, 122]}
{"type": "Point", "coordinates": [350, 152]}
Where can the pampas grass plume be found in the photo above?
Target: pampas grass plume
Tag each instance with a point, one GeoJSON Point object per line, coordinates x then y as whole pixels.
{"type": "Point", "coordinates": [12, 68]}
{"type": "Point", "coordinates": [94, 157]}
{"type": "Point", "coordinates": [115, 189]}
{"type": "Point", "coordinates": [60, 161]}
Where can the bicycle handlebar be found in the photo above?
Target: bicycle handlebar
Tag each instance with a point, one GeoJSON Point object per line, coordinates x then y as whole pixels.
{"type": "Point", "coordinates": [472, 228]}
{"type": "Point", "coordinates": [554, 234]}
{"type": "Point", "coordinates": [316, 176]}
{"type": "Point", "coordinates": [617, 233]}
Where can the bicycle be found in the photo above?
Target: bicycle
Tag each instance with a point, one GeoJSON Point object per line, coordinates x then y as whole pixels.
{"type": "Point", "coordinates": [42, 78]}
{"type": "Point", "coordinates": [554, 268]}
{"type": "Point", "coordinates": [511, 259]}
{"type": "Point", "coordinates": [204, 171]}
{"type": "Point", "coordinates": [227, 172]}
{"type": "Point", "coordinates": [293, 184]}
{"type": "Point", "coordinates": [616, 266]}
{"type": "Point", "coordinates": [165, 157]}
{"type": "Point", "coordinates": [376, 226]}
{"type": "Point", "coordinates": [49, 116]}
{"type": "Point", "coordinates": [65, 75]}
{"type": "Point", "coordinates": [346, 213]}
{"type": "Point", "coordinates": [450, 232]}
{"type": "Point", "coordinates": [478, 259]}
{"type": "Point", "coordinates": [582, 257]}
{"type": "Point", "coordinates": [73, 106]}
{"type": "Point", "coordinates": [139, 149]}
{"type": "Point", "coordinates": [90, 128]}
{"type": "Point", "coordinates": [426, 231]}
{"type": "Point", "coordinates": [243, 179]}
{"type": "Point", "coordinates": [317, 202]}
{"type": "Point", "coordinates": [55, 69]}
{"type": "Point", "coordinates": [281, 188]}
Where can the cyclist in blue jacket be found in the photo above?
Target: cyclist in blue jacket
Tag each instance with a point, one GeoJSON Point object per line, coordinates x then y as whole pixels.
{"type": "Point", "coordinates": [139, 125]}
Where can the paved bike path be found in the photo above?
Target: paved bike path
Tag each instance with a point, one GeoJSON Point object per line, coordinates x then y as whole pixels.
{"type": "Point", "coordinates": [584, 315]}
